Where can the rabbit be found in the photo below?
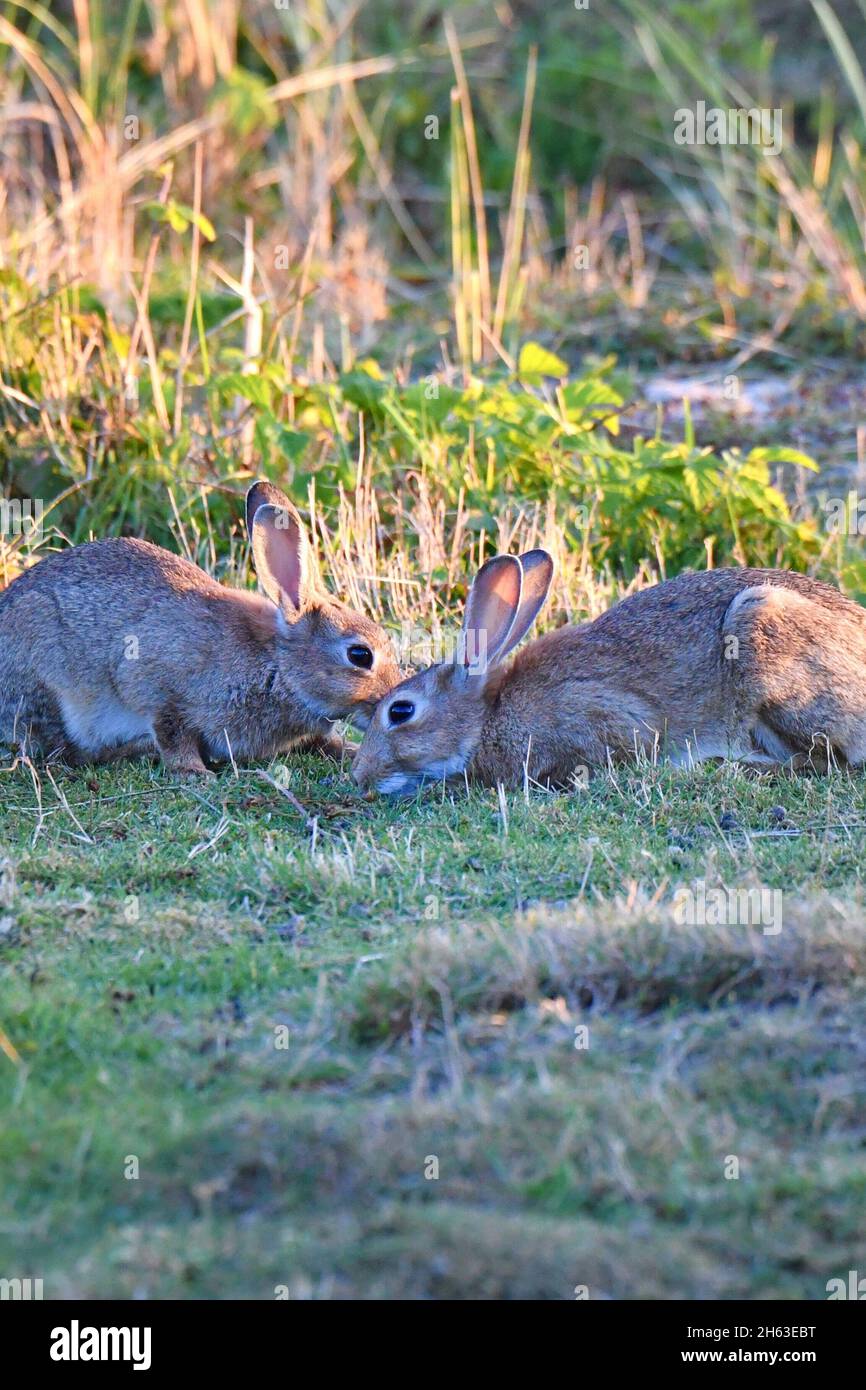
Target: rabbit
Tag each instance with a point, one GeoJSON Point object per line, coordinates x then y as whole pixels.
{"type": "Point", "coordinates": [756, 665]}
{"type": "Point", "coordinates": [119, 648]}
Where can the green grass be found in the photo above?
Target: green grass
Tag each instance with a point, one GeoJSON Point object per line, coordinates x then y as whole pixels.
{"type": "Point", "coordinates": [398, 336]}
{"type": "Point", "coordinates": [431, 964]}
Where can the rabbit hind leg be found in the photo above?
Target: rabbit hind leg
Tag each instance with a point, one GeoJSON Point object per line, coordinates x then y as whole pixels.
{"type": "Point", "coordinates": [803, 670]}
{"type": "Point", "coordinates": [179, 745]}
{"type": "Point", "coordinates": [31, 722]}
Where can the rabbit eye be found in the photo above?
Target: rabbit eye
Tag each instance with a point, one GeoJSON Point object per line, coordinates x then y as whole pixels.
{"type": "Point", "coordinates": [360, 656]}
{"type": "Point", "coordinates": [400, 711]}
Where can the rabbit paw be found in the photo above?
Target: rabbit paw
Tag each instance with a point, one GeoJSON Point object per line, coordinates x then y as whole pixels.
{"type": "Point", "coordinates": [179, 746]}
{"type": "Point", "coordinates": [189, 769]}
{"type": "Point", "coordinates": [327, 745]}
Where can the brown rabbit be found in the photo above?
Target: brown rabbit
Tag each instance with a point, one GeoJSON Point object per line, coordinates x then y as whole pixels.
{"type": "Point", "coordinates": [118, 647]}
{"type": "Point", "coordinates": [757, 665]}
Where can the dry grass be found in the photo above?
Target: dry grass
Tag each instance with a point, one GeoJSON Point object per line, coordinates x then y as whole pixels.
{"type": "Point", "coordinates": [626, 952]}
{"type": "Point", "coordinates": [189, 303]}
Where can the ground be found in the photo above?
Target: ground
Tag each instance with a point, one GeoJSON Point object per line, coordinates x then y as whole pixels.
{"type": "Point", "coordinates": [241, 1039]}
{"type": "Point", "coordinates": [261, 1037]}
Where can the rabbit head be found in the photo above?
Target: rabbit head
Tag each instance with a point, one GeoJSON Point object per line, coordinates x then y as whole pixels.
{"type": "Point", "coordinates": [430, 726]}
{"type": "Point", "coordinates": [339, 662]}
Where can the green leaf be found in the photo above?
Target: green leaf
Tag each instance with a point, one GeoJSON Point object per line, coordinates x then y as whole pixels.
{"type": "Point", "coordinates": [160, 212]}
{"type": "Point", "coordinates": [363, 390]}
{"type": "Point", "coordinates": [432, 402]}
{"type": "Point", "coordinates": [536, 361]}
{"type": "Point", "coordinates": [249, 106]}
{"type": "Point", "coordinates": [293, 443]}
{"type": "Point", "coordinates": [249, 386]}
{"type": "Point", "coordinates": [196, 219]}
{"type": "Point", "coordinates": [180, 217]}
{"type": "Point", "coordinates": [782, 454]}
{"type": "Point", "coordinates": [370, 367]}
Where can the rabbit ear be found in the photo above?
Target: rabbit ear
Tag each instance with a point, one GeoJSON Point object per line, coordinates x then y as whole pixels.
{"type": "Point", "coordinates": [260, 493]}
{"type": "Point", "coordinates": [491, 608]}
{"type": "Point", "coordinates": [537, 568]}
{"type": "Point", "coordinates": [280, 553]}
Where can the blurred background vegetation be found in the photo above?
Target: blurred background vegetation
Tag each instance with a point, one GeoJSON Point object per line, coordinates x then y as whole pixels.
{"type": "Point", "coordinates": [419, 263]}
{"type": "Point", "coordinates": [443, 272]}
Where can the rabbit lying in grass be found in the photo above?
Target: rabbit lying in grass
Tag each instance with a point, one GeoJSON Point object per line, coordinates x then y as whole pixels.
{"type": "Point", "coordinates": [118, 648]}
{"type": "Point", "coordinates": [756, 665]}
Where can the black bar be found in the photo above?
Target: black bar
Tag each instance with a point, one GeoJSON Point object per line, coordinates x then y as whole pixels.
{"type": "Point", "coordinates": [237, 1337]}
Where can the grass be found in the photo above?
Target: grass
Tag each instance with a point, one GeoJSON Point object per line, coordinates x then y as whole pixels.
{"type": "Point", "coordinates": [284, 1025]}
{"type": "Point", "coordinates": [236, 1037]}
